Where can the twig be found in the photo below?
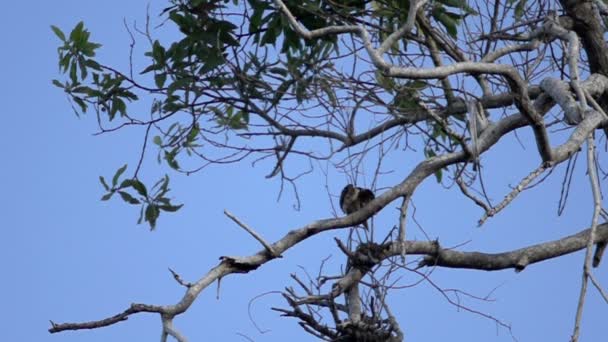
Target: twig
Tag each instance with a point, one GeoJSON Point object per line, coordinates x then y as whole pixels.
{"type": "Point", "coordinates": [344, 249]}
{"type": "Point", "coordinates": [594, 104]}
{"type": "Point", "coordinates": [179, 279]}
{"type": "Point", "coordinates": [123, 316]}
{"type": "Point", "coordinates": [467, 193]}
{"type": "Point", "coordinates": [253, 233]}
{"type": "Point", "coordinates": [389, 313]}
{"type": "Point", "coordinates": [402, 226]}
{"type": "Point", "coordinates": [597, 285]}
{"type": "Point", "coordinates": [409, 24]}
{"type": "Point", "coordinates": [597, 207]}
{"type": "Point", "coordinates": [516, 191]}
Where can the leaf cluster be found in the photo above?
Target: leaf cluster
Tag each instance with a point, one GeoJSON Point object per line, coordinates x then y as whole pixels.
{"type": "Point", "coordinates": [134, 192]}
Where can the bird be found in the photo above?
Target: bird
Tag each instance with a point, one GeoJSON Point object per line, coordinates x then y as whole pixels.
{"type": "Point", "coordinates": [354, 198]}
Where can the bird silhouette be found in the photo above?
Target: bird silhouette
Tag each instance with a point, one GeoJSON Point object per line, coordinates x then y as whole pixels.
{"type": "Point", "coordinates": [354, 198]}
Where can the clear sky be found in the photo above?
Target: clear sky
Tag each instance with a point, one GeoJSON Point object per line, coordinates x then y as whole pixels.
{"type": "Point", "coordinates": [66, 256]}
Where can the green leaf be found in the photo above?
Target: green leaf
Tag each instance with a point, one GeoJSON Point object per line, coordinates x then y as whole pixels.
{"type": "Point", "coordinates": [164, 186]}
{"type": "Point", "coordinates": [388, 83]}
{"type": "Point", "coordinates": [128, 198]}
{"type": "Point", "coordinates": [279, 71]}
{"type": "Point", "coordinates": [170, 208]}
{"type": "Point", "coordinates": [58, 32]}
{"type": "Point", "coordinates": [119, 172]}
{"type": "Point", "coordinates": [326, 87]}
{"type": "Point", "coordinates": [237, 121]}
{"type": "Point", "coordinates": [270, 37]}
{"type": "Point", "coordinates": [64, 62]}
{"type": "Point", "coordinates": [406, 98]}
{"type": "Point", "coordinates": [170, 158]}
{"type": "Point", "coordinates": [82, 90]}
{"type": "Point", "coordinates": [158, 53]}
{"type": "Point", "coordinates": [417, 85]}
{"type": "Point", "coordinates": [256, 19]}
{"type": "Point", "coordinates": [193, 134]}
{"type": "Point", "coordinates": [151, 68]}
{"type": "Point", "coordinates": [160, 79]}
{"type": "Point", "coordinates": [157, 140]}
{"type": "Point", "coordinates": [462, 4]}
{"type": "Point", "coordinates": [103, 182]}
{"type": "Point", "coordinates": [216, 111]}
{"type": "Point", "coordinates": [93, 64]}
{"type": "Point", "coordinates": [58, 84]}
{"type": "Point", "coordinates": [141, 214]}
{"type": "Point", "coordinates": [447, 21]}
{"type": "Point", "coordinates": [518, 12]}
{"type": "Point", "coordinates": [117, 106]}
{"type": "Point", "coordinates": [73, 72]}
{"type": "Point", "coordinates": [439, 175]}
{"type": "Point", "coordinates": [83, 67]}
{"type": "Point", "coordinates": [160, 181]}
{"type": "Point", "coordinates": [77, 33]}
{"type": "Point", "coordinates": [107, 196]}
{"type": "Point", "coordinates": [140, 187]}
{"type": "Point", "coordinates": [178, 84]}
{"type": "Point", "coordinates": [121, 106]}
{"type": "Point", "coordinates": [81, 103]}
{"type": "Point", "coordinates": [152, 213]}
{"type": "Point", "coordinates": [127, 183]}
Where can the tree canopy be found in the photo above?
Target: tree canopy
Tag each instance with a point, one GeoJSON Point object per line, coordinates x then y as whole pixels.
{"type": "Point", "coordinates": [353, 88]}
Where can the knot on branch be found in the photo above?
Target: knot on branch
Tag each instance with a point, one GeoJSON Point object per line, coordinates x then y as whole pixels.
{"type": "Point", "coordinates": [599, 251]}
{"type": "Point", "coordinates": [239, 265]}
{"type": "Point", "coordinates": [521, 263]}
{"type": "Point", "coordinates": [368, 329]}
{"type": "Point", "coordinates": [367, 255]}
{"type": "Point", "coordinates": [434, 258]}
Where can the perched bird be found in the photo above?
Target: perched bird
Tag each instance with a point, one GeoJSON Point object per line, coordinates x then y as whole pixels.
{"type": "Point", "coordinates": [354, 198]}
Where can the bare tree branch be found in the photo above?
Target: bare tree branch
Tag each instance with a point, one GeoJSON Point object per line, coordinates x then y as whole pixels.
{"type": "Point", "coordinates": [253, 233]}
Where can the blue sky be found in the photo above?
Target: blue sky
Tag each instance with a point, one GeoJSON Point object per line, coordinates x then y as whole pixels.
{"type": "Point", "coordinates": [66, 256]}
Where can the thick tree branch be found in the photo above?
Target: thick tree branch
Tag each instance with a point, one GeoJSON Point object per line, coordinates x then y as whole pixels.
{"type": "Point", "coordinates": [517, 259]}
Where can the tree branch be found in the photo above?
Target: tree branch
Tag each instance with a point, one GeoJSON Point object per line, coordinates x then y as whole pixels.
{"type": "Point", "coordinates": [517, 259]}
{"type": "Point", "coordinates": [253, 233]}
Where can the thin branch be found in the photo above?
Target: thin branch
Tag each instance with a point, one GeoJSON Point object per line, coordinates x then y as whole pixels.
{"type": "Point", "coordinates": [179, 279]}
{"type": "Point", "coordinates": [403, 225]}
{"type": "Point", "coordinates": [597, 207]}
{"type": "Point", "coordinates": [407, 27]}
{"type": "Point", "coordinates": [254, 234]}
{"type": "Point", "coordinates": [465, 191]}
{"type": "Point", "coordinates": [123, 316]}
{"type": "Point", "coordinates": [511, 196]}
{"type": "Point", "coordinates": [597, 285]}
